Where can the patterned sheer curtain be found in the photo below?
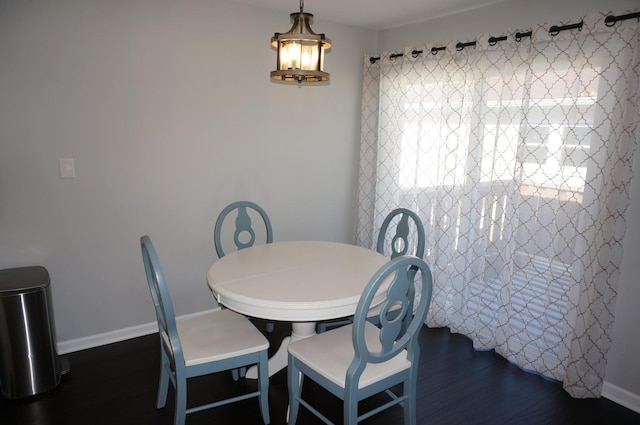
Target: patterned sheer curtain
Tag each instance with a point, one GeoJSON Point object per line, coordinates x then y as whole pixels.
{"type": "Point", "coordinates": [517, 154]}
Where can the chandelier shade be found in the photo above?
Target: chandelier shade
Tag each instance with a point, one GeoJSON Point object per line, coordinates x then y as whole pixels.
{"type": "Point", "coordinates": [300, 51]}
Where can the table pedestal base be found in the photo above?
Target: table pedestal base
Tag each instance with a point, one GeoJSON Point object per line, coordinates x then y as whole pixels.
{"type": "Point", "coordinates": [277, 362]}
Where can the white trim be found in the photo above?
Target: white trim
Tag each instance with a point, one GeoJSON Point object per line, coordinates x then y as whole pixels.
{"type": "Point", "coordinates": [93, 341]}
{"type": "Point", "coordinates": [621, 396]}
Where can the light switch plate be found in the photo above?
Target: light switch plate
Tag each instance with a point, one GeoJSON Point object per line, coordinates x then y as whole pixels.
{"type": "Point", "coordinates": [67, 168]}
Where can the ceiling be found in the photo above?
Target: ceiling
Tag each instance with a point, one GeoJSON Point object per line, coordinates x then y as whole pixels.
{"type": "Point", "coordinates": [373, 14]}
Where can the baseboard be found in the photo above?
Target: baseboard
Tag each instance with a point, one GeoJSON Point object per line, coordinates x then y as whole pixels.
{"type": "Point", "coordinates": [621, 396]}
{"type": "Point", "coordinates": [92, 341]}
{"type": "Point", "coordinates": [612, 392]}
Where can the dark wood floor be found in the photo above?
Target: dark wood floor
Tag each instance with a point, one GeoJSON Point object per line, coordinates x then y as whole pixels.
{"type": "Point", "coordinates": [116, 385]}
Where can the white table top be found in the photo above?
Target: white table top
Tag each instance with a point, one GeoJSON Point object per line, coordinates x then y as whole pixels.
{"type": "Point", "coordinates": [298, 281]}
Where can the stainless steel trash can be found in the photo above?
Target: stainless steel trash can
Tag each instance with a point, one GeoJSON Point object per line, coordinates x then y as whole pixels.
{"type": "Point", "coordinates": [29, 362]}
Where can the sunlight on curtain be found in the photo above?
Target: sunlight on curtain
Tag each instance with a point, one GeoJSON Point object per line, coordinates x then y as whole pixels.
{"type": "Point", "coordinates": [517, 157]}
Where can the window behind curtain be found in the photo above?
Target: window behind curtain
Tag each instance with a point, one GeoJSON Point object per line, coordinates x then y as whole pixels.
{"type": "Point", "coordinates": [517, 157]}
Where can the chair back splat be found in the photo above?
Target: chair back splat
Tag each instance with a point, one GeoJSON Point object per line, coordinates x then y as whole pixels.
{"type": "Point", "coordinates": [208, 343]}
{"type": "Point", "coordinates": [403, 239]}
{"type": "Point", "coordinates": [244, 232]}
{"type": "Point", "coordinates": [356, 361]}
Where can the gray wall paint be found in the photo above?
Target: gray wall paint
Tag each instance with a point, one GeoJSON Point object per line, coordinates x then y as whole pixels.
{"type": "Point", "coordinates": [623, 368]}
{"type": "Point", "coordinates": [169, 113]}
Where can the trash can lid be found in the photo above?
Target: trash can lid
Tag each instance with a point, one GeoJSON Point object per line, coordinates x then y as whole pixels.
{"type": "Point", "coordinates": [23, 279]}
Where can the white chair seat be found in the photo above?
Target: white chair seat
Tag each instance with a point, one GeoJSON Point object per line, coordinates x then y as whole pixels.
{"type": "Point", "coordinates": [217, 336]}
{"type": "Point", "coordinates": [331, 353]}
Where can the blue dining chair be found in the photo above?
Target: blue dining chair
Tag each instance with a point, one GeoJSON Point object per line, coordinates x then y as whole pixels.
{"type": "Point", "coordinates": [360, 360]}
{"type": "Point", "coordinates": [402, 242]}
{"type": "Point", "coordinates": [213, 342]}
{"type": "Point", "coordinates": [408, 239]}
{"type": "Point", "coordinates": [244, 233]}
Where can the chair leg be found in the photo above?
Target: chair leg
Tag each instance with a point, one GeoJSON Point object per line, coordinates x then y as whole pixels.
{"type": "Point", "coordinates": [238, 373]}
{"type": "Point", "coordinates": [294, 378]}
{"type": "Point", "coordinates": [263, 382]}
{"type": "Point", "coordinates": [409, 388]}
{"type": "Point", "coordinates": [270, 326]}
{"type": "Point", "coordinates": [350, 414]}
{"type": "Point", "coordinates": [181, 402]}
{"type": "Point", "coordinates": [163, 383]}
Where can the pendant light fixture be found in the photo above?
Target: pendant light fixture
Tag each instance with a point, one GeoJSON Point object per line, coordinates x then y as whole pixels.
{"type": "Point", "coordinates": [300, 51]}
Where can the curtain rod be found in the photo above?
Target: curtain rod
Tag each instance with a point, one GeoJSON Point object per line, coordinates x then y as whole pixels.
{"type": "Point", "coordinates": [554, 30]}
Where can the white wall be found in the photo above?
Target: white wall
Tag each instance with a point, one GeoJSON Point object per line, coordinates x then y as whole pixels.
{"type": "Point", "coordinates": [623, 369]}
{"type": "Point", "coordinates": [169, 113]}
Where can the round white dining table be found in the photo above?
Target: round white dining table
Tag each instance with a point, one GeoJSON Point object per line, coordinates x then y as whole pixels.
{"type": "Point", "coordinates": [301, 282]}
